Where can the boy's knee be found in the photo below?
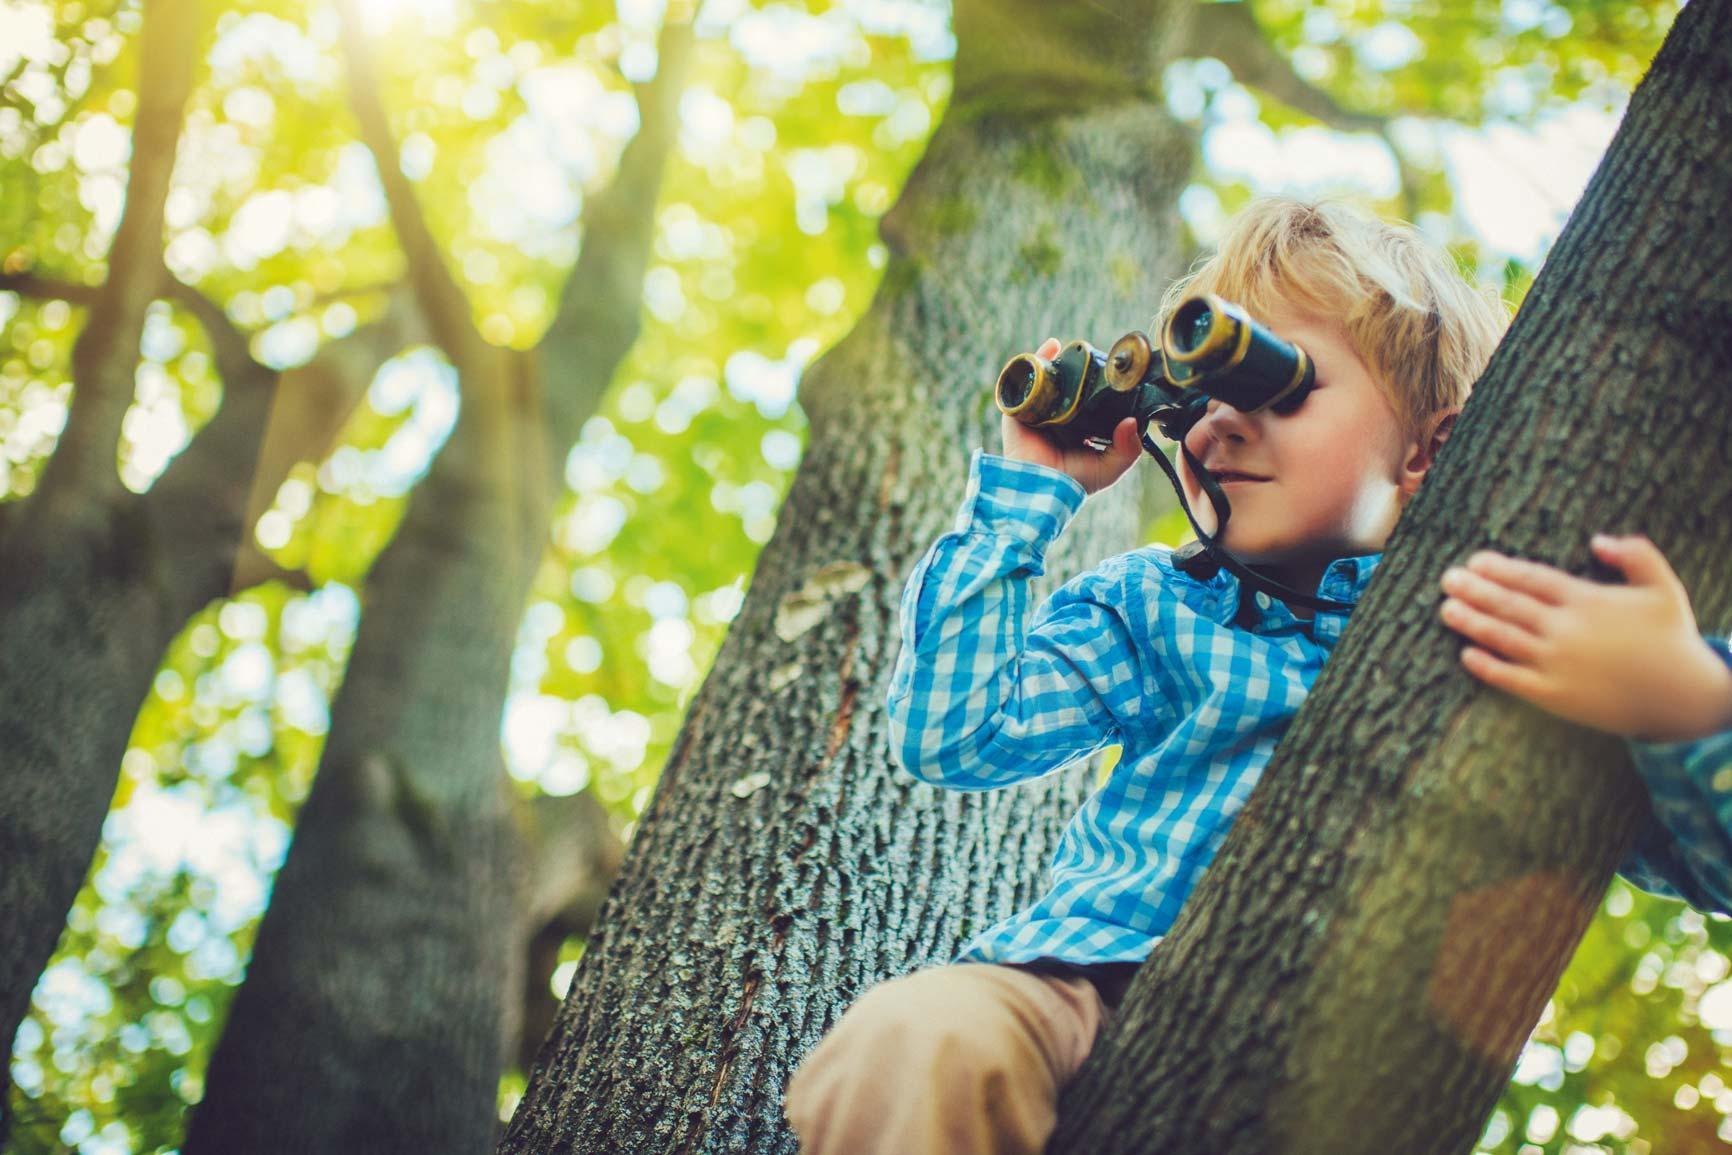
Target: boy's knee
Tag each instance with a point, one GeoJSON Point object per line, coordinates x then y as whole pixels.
{"type": "Point", "coordinates": [910, 1030]}
{"type": "Point", "coordinates": [928, 1061]}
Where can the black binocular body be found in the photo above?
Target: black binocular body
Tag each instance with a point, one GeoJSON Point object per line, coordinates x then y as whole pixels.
{"type": "Point", "coordinates": [1208, 347]}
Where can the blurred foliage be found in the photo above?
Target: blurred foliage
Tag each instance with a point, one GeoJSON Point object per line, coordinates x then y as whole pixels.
{"type": "Point", "coordinates": [799, 127]}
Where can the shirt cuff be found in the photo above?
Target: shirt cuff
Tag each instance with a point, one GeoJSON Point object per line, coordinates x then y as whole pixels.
{"type": "Point", "coordinates": [1018, 499]}
{"type": "Point", "coordinates": [1722, 647]}
{"type": "Point", "coordinates": [1690, 782]}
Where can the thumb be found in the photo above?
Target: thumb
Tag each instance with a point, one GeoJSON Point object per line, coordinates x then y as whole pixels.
{"type": "Point", "coordinates": [1639, 559]}
{"type": "Point", "coordinates": [1125, 444]}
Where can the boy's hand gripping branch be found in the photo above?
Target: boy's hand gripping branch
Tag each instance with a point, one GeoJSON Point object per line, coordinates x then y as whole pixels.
{"type": "Point", "coordinates": [1626, 659]}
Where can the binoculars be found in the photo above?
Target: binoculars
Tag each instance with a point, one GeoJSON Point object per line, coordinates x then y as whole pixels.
{"type": "Point", "coordinates": [1209, 347]}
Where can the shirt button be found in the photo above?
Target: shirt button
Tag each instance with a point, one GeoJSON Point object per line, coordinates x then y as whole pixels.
{"type": "Point", "coordinates": [1263, 599]}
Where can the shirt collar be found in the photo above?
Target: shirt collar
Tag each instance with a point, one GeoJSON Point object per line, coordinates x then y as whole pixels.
{"type": "Point", "coordinates": [1217, 597]}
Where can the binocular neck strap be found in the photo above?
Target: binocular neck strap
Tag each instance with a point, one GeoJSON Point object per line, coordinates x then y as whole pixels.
{"type": "Point", "coordinates": [1222, 511]}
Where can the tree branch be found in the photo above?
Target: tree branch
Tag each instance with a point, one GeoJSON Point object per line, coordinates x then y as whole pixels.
{"type": "Point", "coordinates": [1229, 32]}
{"type": "Point", "coordinates": [41, 288]}
{"type": "Point", "coordinates": [575, 855]}
{"type": "Point", "coordinates": [234, 358]}
{"type": "Point", "coordinates": [105, 354]}
{"type": "Point", "coordinates": [442, 299]}
{"type": "Point", "coordinates": [269, 571]}
{"type": "Point", "coordinates": [600, 307]}
{"type": "Point", "coordinates": [196, 506]}
{"type": "Point", "coordinates": [313, 403]}
{"type": "Point", "coordinates": [223, 482]}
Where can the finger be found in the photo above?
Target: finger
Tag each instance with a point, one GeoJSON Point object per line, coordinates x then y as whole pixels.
{"type": "Point", "coordinates": [1125, 437]}
{"type": "Point", "coordinates": [1546, 583]}
{"type": "Point", "coordinates": [1048, 347]}
{"type": "Point", "coordinates": [1494, 598]}
{"type": "Point", "coordinates": [1637, 558]}
{"type": "Point", "coordinates": [1511, 641]}
{"type": "Point", "coordinates": [1506, 676]}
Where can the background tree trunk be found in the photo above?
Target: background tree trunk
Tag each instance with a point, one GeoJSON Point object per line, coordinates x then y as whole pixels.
{"type": "Point", "coordinates": [1360, 967]}
{"type": "Point", "coordinates": [102, 579]}
{"type": "Point", "coordinates": [781, 845]}
{"type": "Point", "coordinates": [94, 575]}
{"type": "Point", "coordinates": [387, 980]}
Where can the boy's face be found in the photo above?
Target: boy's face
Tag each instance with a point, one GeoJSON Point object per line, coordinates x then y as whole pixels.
{"type": "Point", "coordinates": [1336, 467]}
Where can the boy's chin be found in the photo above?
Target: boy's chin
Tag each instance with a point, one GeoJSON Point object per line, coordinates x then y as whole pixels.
{"type": "Point", "coordinates": [1255, 552]}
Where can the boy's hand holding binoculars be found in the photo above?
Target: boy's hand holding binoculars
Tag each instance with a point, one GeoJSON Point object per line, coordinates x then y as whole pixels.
{"type": "Point", "coordinates": [1093, 470]}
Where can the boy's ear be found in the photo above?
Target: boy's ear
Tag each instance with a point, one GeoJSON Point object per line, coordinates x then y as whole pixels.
{"type": "Point", "coordinates": [1423, 452]}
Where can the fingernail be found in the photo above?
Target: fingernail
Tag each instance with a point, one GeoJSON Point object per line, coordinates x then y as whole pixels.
{"type": "Point", "coordinates": [1602, 540]}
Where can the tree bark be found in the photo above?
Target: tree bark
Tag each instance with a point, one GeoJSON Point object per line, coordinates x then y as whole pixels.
{"type": "Point", "coordinates": [387, 981]}
{"type": "Point", "coordinates": [377, 983]}
{"type": "Point", "coordinates": [103, 585]}
{"type": "Point", "coordinates": [92, 588]}
{"type": "Point", "coordinates": [784, 865]}
{"type": "Point", "coordinates": [97, 580]}
{"type": "Point", "coordinates": [575, 855]}
{"type": "Point", "coordinates": [1379, 934]}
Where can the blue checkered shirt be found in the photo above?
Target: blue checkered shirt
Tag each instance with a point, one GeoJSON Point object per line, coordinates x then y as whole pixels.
{"type": "Point", "coordinates": [1138, 654]}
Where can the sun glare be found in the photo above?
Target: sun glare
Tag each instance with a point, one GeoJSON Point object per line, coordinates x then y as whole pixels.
{"type": "Point", "coordinates": [380, 16]}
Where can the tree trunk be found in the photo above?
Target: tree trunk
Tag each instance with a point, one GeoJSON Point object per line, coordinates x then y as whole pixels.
{"type": "Point", "coordinates": [781, 846]}
{"type": "Point", "coordinates": [96, 580]}
{"type": "Point", "coordinates": [1358, 970]}
{"type": "Point", "coordinates": [387, 978]}
{"type": "Point", "coordinates": [370, 1019]}
{"type": "Point", "coordinates": [575, 855]}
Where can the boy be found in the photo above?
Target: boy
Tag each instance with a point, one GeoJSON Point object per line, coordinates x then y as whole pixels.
{"type": "Point", "coordinates": [1197, 682]}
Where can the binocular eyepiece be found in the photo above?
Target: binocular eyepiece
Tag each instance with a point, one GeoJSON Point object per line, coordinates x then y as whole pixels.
{"type": "Point", "coordinates": [1208, 347]}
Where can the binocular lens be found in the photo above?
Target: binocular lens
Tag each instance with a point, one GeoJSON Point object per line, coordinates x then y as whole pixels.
{"type": "Point", "coordinates": [1191, 327]}
{"type": "Point", "coordinates": [1014, 384]}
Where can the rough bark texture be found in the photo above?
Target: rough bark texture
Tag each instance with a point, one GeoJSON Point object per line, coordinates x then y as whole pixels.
{"type": "Point", "coordinates": [1360, 967]}
{"type": "Point", "coordinates": [95, 580]}
{"type": "Point", "coordinates": [784, 865]}
{"type": "Point", "coordinates": [90, 589]}
{"type": "Point", "coordinates": [387, 978]}
{"type": "Point", "coordinates": [380, 972]}
{"type": "Point", "coordinates": [576, 855]}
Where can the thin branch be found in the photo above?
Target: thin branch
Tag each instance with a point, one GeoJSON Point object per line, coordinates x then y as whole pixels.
{"type": "Point", "coordinates": [41, 288]}
{"type": "Point", "coordinates": [313, 403]}
{"type": "Point", "coordinates": [1229, 32]}
{"type": "Point", "coordinates": [221, 484]}
{"type": "Point", "coordinates": [574, 856]}
{"type": "Point", "coordinates": [265, 570]}
{"type": "Point", "coordinates": [105, 354]}
{"type": "Point", "coordinates": [234, 359]}
{"type": "Point", "coordinates": [599, 309]}
{"type": "Point", "coordinates": [210, 471]}
{"type": "Point", "coordinates": [195, 508]}
{"type": "Point", "coordinates": [442, 299]}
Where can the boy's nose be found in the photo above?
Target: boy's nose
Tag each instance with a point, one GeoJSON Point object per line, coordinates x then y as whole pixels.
{"type": "Point", "coordinates": [1221, 422]}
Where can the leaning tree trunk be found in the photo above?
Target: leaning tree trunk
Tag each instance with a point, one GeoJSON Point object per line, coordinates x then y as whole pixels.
{"type": "Point", "coordinates": [387, 976]}
{"type": "Point", "coordinates": [95, 581]}
{"type": "Point", "coordinates": [83, 634]}
{"type": "Point", "coordinates": [1380, 932]}
{"type": "Point", "coordinates": [784, 865]}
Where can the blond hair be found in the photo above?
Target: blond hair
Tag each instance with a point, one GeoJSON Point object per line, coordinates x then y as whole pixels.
{"type": "Point", "coordinates": [1420, 327]}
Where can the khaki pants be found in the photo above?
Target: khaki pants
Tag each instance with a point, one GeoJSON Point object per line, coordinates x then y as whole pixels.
{"type": "Point", "coordinates": [965, 1059]}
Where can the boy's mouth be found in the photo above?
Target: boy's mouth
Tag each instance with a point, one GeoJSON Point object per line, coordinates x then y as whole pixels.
{"type": "Point", "coordinates": [1229, 477]}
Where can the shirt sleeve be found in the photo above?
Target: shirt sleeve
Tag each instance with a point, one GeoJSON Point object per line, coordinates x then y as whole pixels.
{"type": "Point", "coordinates": [979, 698]}
{"type": "Point", "coordinates": [1685, 849]}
